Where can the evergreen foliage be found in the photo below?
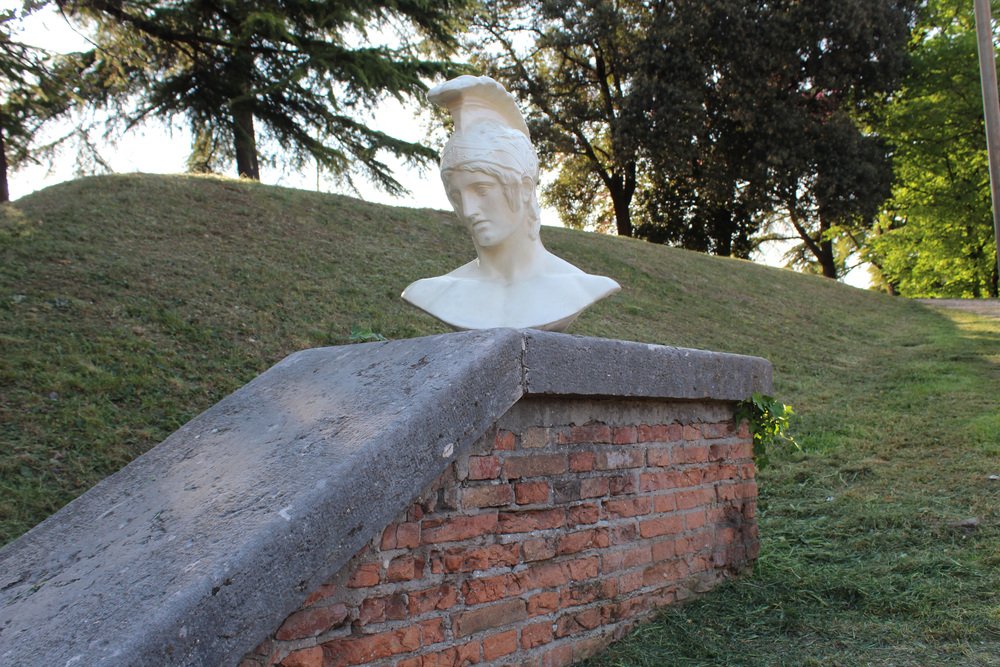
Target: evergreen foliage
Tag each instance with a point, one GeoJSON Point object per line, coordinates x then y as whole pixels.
{"type": "Point", "coordinates": [294, 72]}
{"type": "Point", "coordinates": [35, 88]}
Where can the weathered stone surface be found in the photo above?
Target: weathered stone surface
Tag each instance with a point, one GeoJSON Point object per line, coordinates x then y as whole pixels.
{"type": "Point", "coordinates": [196, 550]}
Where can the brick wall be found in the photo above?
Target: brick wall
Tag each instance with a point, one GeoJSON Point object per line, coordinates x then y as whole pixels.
{"type": "Point", "coordinates": [566, 524]}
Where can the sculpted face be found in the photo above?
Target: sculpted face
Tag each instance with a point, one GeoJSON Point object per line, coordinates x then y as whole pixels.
{"type": "Point", "coordinates": [481, 202]}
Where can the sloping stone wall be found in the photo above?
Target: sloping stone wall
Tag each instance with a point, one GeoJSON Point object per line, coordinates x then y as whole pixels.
{"type": "Point", "coordinates": [565, 524]}
{"type": "Point", "coordinates": [202, 547]}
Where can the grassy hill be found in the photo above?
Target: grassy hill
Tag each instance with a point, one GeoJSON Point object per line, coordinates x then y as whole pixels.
{"type": "Point", "coordinates": [128, 304]}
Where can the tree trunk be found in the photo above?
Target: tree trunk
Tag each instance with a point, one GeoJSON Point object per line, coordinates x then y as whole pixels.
{"type": "Point", "coordinates": [826, 259]}
{"type": "Point", "coordinates": [4, 190]}
{"type": "Point", "coordinates": [623, 219]}
{"type": "Point", "coordinates": [245, 142]}
{"type": "Point", "coordinates": [622, 188]}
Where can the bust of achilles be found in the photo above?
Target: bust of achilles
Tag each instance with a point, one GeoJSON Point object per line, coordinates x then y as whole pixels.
{"type": "Point", "coordinates": [490, 171]}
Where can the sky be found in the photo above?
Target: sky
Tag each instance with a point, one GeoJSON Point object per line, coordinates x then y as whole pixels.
{"type": "Point", "coordinates": [159, 149]}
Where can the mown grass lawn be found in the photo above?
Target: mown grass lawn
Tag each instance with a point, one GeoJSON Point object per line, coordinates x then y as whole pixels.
{"type": "Point", "coordinates": [128, 304]}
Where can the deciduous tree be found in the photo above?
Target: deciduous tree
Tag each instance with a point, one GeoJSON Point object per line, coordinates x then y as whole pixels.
{"type": "Point", "coordinates": [935, 236]}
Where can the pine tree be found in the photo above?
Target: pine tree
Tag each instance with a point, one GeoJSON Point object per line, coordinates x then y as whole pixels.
{"type": "Point", "coordinates": [255, 79]}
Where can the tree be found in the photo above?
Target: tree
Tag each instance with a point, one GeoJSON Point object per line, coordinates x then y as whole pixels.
{"type": "Point", "coordinates": [35, 88]}
{"type": "Point", "coordinates": [711, 117]}
{"type": "Point", "coordinates": [935, 236]}
{"type": "Point", "coordinates": [569, 59]}
{"type": "Point", "coordinates": [290, 72]}
{"type": "Point", "coordinates": [785, 88]}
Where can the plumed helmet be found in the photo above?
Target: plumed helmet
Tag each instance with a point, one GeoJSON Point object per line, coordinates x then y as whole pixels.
{"type": "Point", "coordinates": [488, 126]}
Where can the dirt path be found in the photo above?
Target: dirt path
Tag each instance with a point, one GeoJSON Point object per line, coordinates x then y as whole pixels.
{"type": "Point", "coordinates": [988, 307]}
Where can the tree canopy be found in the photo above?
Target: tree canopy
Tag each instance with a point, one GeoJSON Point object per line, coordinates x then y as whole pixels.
{"type": "Point", "coordinates": [696, 123]}
{"type": "Point", "coordinates": [935, 236]}
{"type": "Point", "coordinates": [36, 87]}
{"type": "Point", "coordinates": [253, 79]}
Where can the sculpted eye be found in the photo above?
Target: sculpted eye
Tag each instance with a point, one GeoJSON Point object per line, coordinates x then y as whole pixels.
{"type": "Point", "coordinates": [483, 188]}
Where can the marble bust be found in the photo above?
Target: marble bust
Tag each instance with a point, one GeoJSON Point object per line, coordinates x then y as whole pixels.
{"type": "Point", "coordinates": [490, 172]}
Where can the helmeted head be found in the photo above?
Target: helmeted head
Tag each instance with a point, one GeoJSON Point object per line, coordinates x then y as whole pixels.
{"type": "Point", "coordinates": [490, 138]}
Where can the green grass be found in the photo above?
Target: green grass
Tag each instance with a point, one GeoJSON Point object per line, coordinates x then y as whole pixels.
{"type": "Point", "coordinates": [128, 304]}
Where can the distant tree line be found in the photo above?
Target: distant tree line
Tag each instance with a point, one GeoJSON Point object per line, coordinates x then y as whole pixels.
{"type": "Point", "coordinates": [853, 128]}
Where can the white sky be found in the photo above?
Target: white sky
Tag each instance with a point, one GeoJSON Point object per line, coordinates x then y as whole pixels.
{"type": "Point", "coordinates": [157, 148]}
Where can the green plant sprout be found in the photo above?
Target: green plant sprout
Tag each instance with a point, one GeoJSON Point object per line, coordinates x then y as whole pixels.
{"type": "Point", "coordinates": [769, 421]}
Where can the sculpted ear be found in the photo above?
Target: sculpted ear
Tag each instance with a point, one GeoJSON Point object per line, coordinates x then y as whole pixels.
{"type": "Point", "coordinates": [527, 190]}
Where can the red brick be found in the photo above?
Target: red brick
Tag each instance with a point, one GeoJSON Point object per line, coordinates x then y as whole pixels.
{"type": "Point", "coordinates": [504, 441]}
{"type": "Point", "coordinates": [496, 615]}
{"type": "Point", "coordinates": [571, 624]}
{"type": "Point", "coordinates": [665, 550]}
{"type": "Point", "coordinates": [626, 558]}
{"type": "Point", "coordinates": [487, 495]}
{"type": "Point", "coordinates": [434, 531]}
{"type": "Point", "coordinates": [466, 654]}
{"type": "Point", "coordinates": [321, 593]}
{"type": "Point", "coordinates": [571, 543]}
{"type": "Point", "coordinates": [536, 634]}
{"type": "Point", "coordinates": [625, 435]}
{"type": "Point", "coordinates": [408, 535]}
{"type": "Point", "coordinates": [404, 568]}
{"type": "Point", "coordinates": [534, 465]}
{"type": "Point", "coordinates": [497, 646]}
{"type": "Point", "coordinates": [467, 559]}
{"type": "Point", "coordinates": [585, 513]}
{"type": "Point", "coordinates": [589, 433]}
{"type": "Point", "coordinates": [629, 581]}
{"type": "Point", "coordinates": [490, 589]}
{"type": "Point", "coordinates": [437, 598]}
{"type": "Point", "coordinates": [581, 593]}
{"type": "Point", "coordinates": [415, 661]}
{"type": "Point", "coordinates": [305, 657]}
{"type": "Point", "coordinates": [659, 457]}
{"type": "Point", "coordinates": [593, 487]}
{"type": "Point", "coordinates": [624, 533]}
{"type": "Point", "coordinates": [484, 467]}
{"type": "Point", "coordinates": [691, 454]}
{"type": "Point", "coordinates": [694, 498]}
{"type": "Point", "coordinates": [583, 569]}
{"type": "Point", "coordinates": [694, 520]}
{"type": "Point", "coordinates": [401, 536]}
{"type": "Point", "coordinates": [668, 525]}
{"type": "Point", "coordinates": [528, 520]}
{"type": "Point", "coordinates": [582, 461]}
{"type": "Point", "coordinates": [661, 574]}
{"type": "Point", "coordinates": [543, 603]}
{"type": "Point", "coordinates": [661, 481]}
{"type": "Point", "coordinates": [543, 575]}
{"type": "Point", "coordinates": [627, 507]}
{"type": "Point", "coordinates": [431, 631]}
{"type": "Point", "coordinates": [368, 648]}
{"type": "Point", "coordinates": [622, 484]}
{"type": "Point", "coordinates": [692, 432]}
{"type": "Point", "coordinates": [664, 503]}
{"type": "Point", "coordinates": [527, 493]}
{"type": "Point", "coordinates": [311, 622]}
{"type": "Point", "coordinates": [617, 459]}
{"type": "Point", "coordinates": [538, 549]}
{"type": "Point", "coordinates": [388, 537]}
{"type": "Point", "coordinates": [364, 576]}
{"type": "Point", "coordinates": [381, 609]}
{"type": "Point", "coordinates": [666, 432]}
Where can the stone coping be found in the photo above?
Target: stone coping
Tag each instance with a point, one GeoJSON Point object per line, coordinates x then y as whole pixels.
{"type": "Point", "coordinates": [199, 548]}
